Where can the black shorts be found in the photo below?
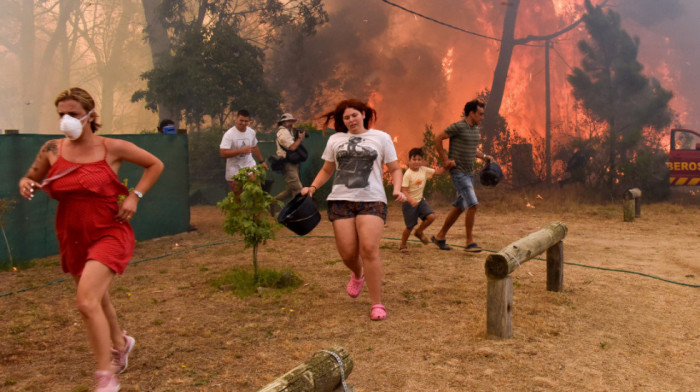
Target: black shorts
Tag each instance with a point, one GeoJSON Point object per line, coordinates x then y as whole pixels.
{"type": "Point", "coordinates": [411, 214]}
{"type": "Point", "coordinates": [343, 209]}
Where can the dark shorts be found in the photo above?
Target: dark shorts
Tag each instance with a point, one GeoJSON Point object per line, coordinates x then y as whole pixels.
{"type": "Point", "coordinates": [411, 214]}
{"type": "Point", "coordinates": [343, 209]}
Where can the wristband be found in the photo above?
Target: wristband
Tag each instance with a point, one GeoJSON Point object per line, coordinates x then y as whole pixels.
{"type": "Point", "coordinates": [313, 186]}
{"type": "Point", "coordinates": [138, 194]}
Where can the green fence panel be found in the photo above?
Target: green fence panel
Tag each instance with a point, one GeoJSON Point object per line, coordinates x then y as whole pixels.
{"type": "Point", "coordinates": [29, 225]}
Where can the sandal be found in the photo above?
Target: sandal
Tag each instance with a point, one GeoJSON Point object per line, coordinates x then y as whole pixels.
{"type": "Point", "coordinates": [422, 237]}
{"type": "Point", "coordinates": [354, 287]}
{"type": "Point", "coordinates": [403, 250]}
{"type": "Point", "coordinates": [378, 312]}
{"type": "Point", "coordinates": [440, 243]}
{"type": "Point", "coordinates": [473, 248]}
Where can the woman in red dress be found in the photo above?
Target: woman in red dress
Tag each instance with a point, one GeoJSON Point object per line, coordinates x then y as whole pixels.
{"type": "Point", "coordinates": [94, 235]}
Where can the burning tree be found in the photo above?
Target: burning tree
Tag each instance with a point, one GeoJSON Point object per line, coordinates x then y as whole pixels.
{"type": "Point", "coordinates": [611, 87]}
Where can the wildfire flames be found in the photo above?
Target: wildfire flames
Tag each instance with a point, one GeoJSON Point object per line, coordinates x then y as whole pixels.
{"type": "Point", "coordinates": [421, 73]}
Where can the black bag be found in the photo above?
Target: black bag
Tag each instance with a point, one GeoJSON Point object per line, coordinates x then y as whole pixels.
{"type": "Point", "coordinates": [297, 156]}
{"type": "Point", "coordinates": [276, 164]}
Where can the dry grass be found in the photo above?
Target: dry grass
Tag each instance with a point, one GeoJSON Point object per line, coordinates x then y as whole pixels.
{"type": "Point", "coordinates": [608, 331]}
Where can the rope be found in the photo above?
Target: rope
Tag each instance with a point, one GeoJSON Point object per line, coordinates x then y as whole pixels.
{"type": "Point", "coordinates": [384, 238]}
{"type": "Point", "coordinates": [340, 364]}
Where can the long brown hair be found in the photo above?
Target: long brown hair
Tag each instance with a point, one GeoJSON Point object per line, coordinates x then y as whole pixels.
{"type": "Point", "coordinates": [337, 114]}
{"type": "Point", "coordinates": [84, 99]}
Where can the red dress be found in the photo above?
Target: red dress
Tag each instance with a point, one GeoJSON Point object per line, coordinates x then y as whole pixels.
{"type": "Point", "coordinates": [86, 226]}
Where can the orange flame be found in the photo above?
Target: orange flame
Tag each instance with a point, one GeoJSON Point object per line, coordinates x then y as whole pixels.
{"type": "Point", "coordinates": [447, 63]}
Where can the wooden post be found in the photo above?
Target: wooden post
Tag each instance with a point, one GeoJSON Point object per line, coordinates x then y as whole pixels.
{"type": "Point", "coordinates": [499, 308]}
{"type": "Point", "coordinates": [499, 265]}
{"type": "Point", "coordinates": [555, 267]}
{"type": "Point", "coordinates": [632, 204]}
{"type": "Point", "coordinates": [321, 373]}
{"type": "Point", "coordinates": [628, 210]}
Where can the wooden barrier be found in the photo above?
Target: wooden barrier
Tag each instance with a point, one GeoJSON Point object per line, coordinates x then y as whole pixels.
{"type": "Point", "coordinates": [632, 204]}
{"type": "Point", "coordinates": [499, 265]}
{"type": "Point", "coordinates": [499, 288]}
{"type": "Point", "coordinates": [321, 373]}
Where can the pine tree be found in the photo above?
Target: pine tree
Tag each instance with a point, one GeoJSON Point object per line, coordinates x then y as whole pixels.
{"type": "Point", "coordinates": [610, 85]}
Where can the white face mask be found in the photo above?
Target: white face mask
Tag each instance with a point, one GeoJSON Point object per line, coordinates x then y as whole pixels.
{"type": "Point", "coordinates": [72, 127]}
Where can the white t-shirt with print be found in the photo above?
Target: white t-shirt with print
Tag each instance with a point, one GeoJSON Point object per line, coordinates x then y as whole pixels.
{"type": "Point", "coordinates": [359, 161]}
{"type": "Point", "coordinates": [234, 139]}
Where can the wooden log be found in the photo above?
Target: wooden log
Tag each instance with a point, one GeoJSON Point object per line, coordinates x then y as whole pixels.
{"type": "Point", "coordinates": [555, 267]}
{"type": "Point", "coordinates": [499, 308]}
{"type": "Point", "coordinates": [321, 373]}
{"type": "Point", "coordinates": [499, 265]}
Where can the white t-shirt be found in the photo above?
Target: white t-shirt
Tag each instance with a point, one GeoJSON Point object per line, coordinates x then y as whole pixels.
{"type": "Point", "coordinates": [234, 139]}
{"type": "Point", "coordinates": [415, 181]}
{"type": "Point", "coordinates": [359, 161]}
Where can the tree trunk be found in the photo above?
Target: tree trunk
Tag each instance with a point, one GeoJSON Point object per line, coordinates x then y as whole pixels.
{"type": "Point", "coordinates": [30, 103]}
{"type": "Point", "coordinates": [548, 115]}
{"type": "Point", "coordinates": [500, 75]}
{"type": "Point", "coordinates": [255, 263]}
{"type": "Point", "coordinates": [160, 49]}
{"type": "Point", "coordinates": [114, 64]}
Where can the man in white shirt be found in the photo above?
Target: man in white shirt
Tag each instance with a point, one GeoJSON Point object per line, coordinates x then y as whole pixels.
{"type": "Point", "coordinates": [239, 145]}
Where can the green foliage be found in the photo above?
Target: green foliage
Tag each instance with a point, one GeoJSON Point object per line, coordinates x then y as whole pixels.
{"type": "Point", "coordinates": [610, 86]}
{"type": "Point", "coordinates": [244, 284]}
{"type": "Point", "coordinates": [647, 171]}
{"type": "Point", "coordinates": [438, 185]}
{"type": "Point", "coordinates": [213, 72]}
{"type": "Point", "coordinates": [248, 213]}
{"type": "Point", "coordinates": [217, 56]}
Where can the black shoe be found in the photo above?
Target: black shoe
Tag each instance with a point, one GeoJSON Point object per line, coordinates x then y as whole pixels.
{"type": "Point", "coordinates": [473, 248]}
{"type": "Point", "coordinates": [440, 243]}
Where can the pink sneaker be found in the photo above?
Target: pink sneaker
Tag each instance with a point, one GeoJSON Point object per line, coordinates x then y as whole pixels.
{"type": "Point", "coordinates": [106, 382]}
{"type": "Point", "coordinates": [354, 287]}
{"type": "Point", "coordinates": [120, 359]}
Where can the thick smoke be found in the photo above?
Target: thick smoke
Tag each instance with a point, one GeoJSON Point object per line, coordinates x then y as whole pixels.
{"type": "Point", "coordinates": [375, 52]}
{"type": "Point", "coordinates": [371, 50]}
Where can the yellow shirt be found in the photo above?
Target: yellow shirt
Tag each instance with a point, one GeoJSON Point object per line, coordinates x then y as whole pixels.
{"type": "Point", "coordinates": [415, 181]}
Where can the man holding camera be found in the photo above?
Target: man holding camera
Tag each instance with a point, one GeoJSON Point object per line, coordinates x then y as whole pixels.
{"type": "Point", "coordinates": [288, 140]}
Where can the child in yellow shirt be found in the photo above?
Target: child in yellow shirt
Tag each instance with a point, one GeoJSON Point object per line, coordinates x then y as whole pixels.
{"type": "Point", "coordinates": [414, 179]}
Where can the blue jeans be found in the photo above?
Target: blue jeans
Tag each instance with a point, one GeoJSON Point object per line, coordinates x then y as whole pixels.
{"type": "Point", "coordinates": [464, 184]}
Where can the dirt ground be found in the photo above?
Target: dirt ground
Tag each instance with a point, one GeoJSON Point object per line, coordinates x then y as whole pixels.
{"type": "Point", "coordinates": [608, 331]}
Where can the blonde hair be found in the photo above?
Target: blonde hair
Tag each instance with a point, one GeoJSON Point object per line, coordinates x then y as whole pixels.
{"type": "Point", "coordinates": [84, 99]}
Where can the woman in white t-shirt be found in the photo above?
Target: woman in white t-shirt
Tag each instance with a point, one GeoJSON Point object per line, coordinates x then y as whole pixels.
{"type": "Point", "coordinates": [357, 203]}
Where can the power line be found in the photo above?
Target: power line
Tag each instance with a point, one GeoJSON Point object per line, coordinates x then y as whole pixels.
{"type": "Point", "coordinates": [561, 57]}
{"type": "Point", "coordinates": [440, 22]}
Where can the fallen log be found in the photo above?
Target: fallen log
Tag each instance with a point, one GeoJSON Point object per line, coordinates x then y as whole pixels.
{"type": "Point", "coordinates": [321, 373]}
{"type": "Point", "coordinates": [499, 265]}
